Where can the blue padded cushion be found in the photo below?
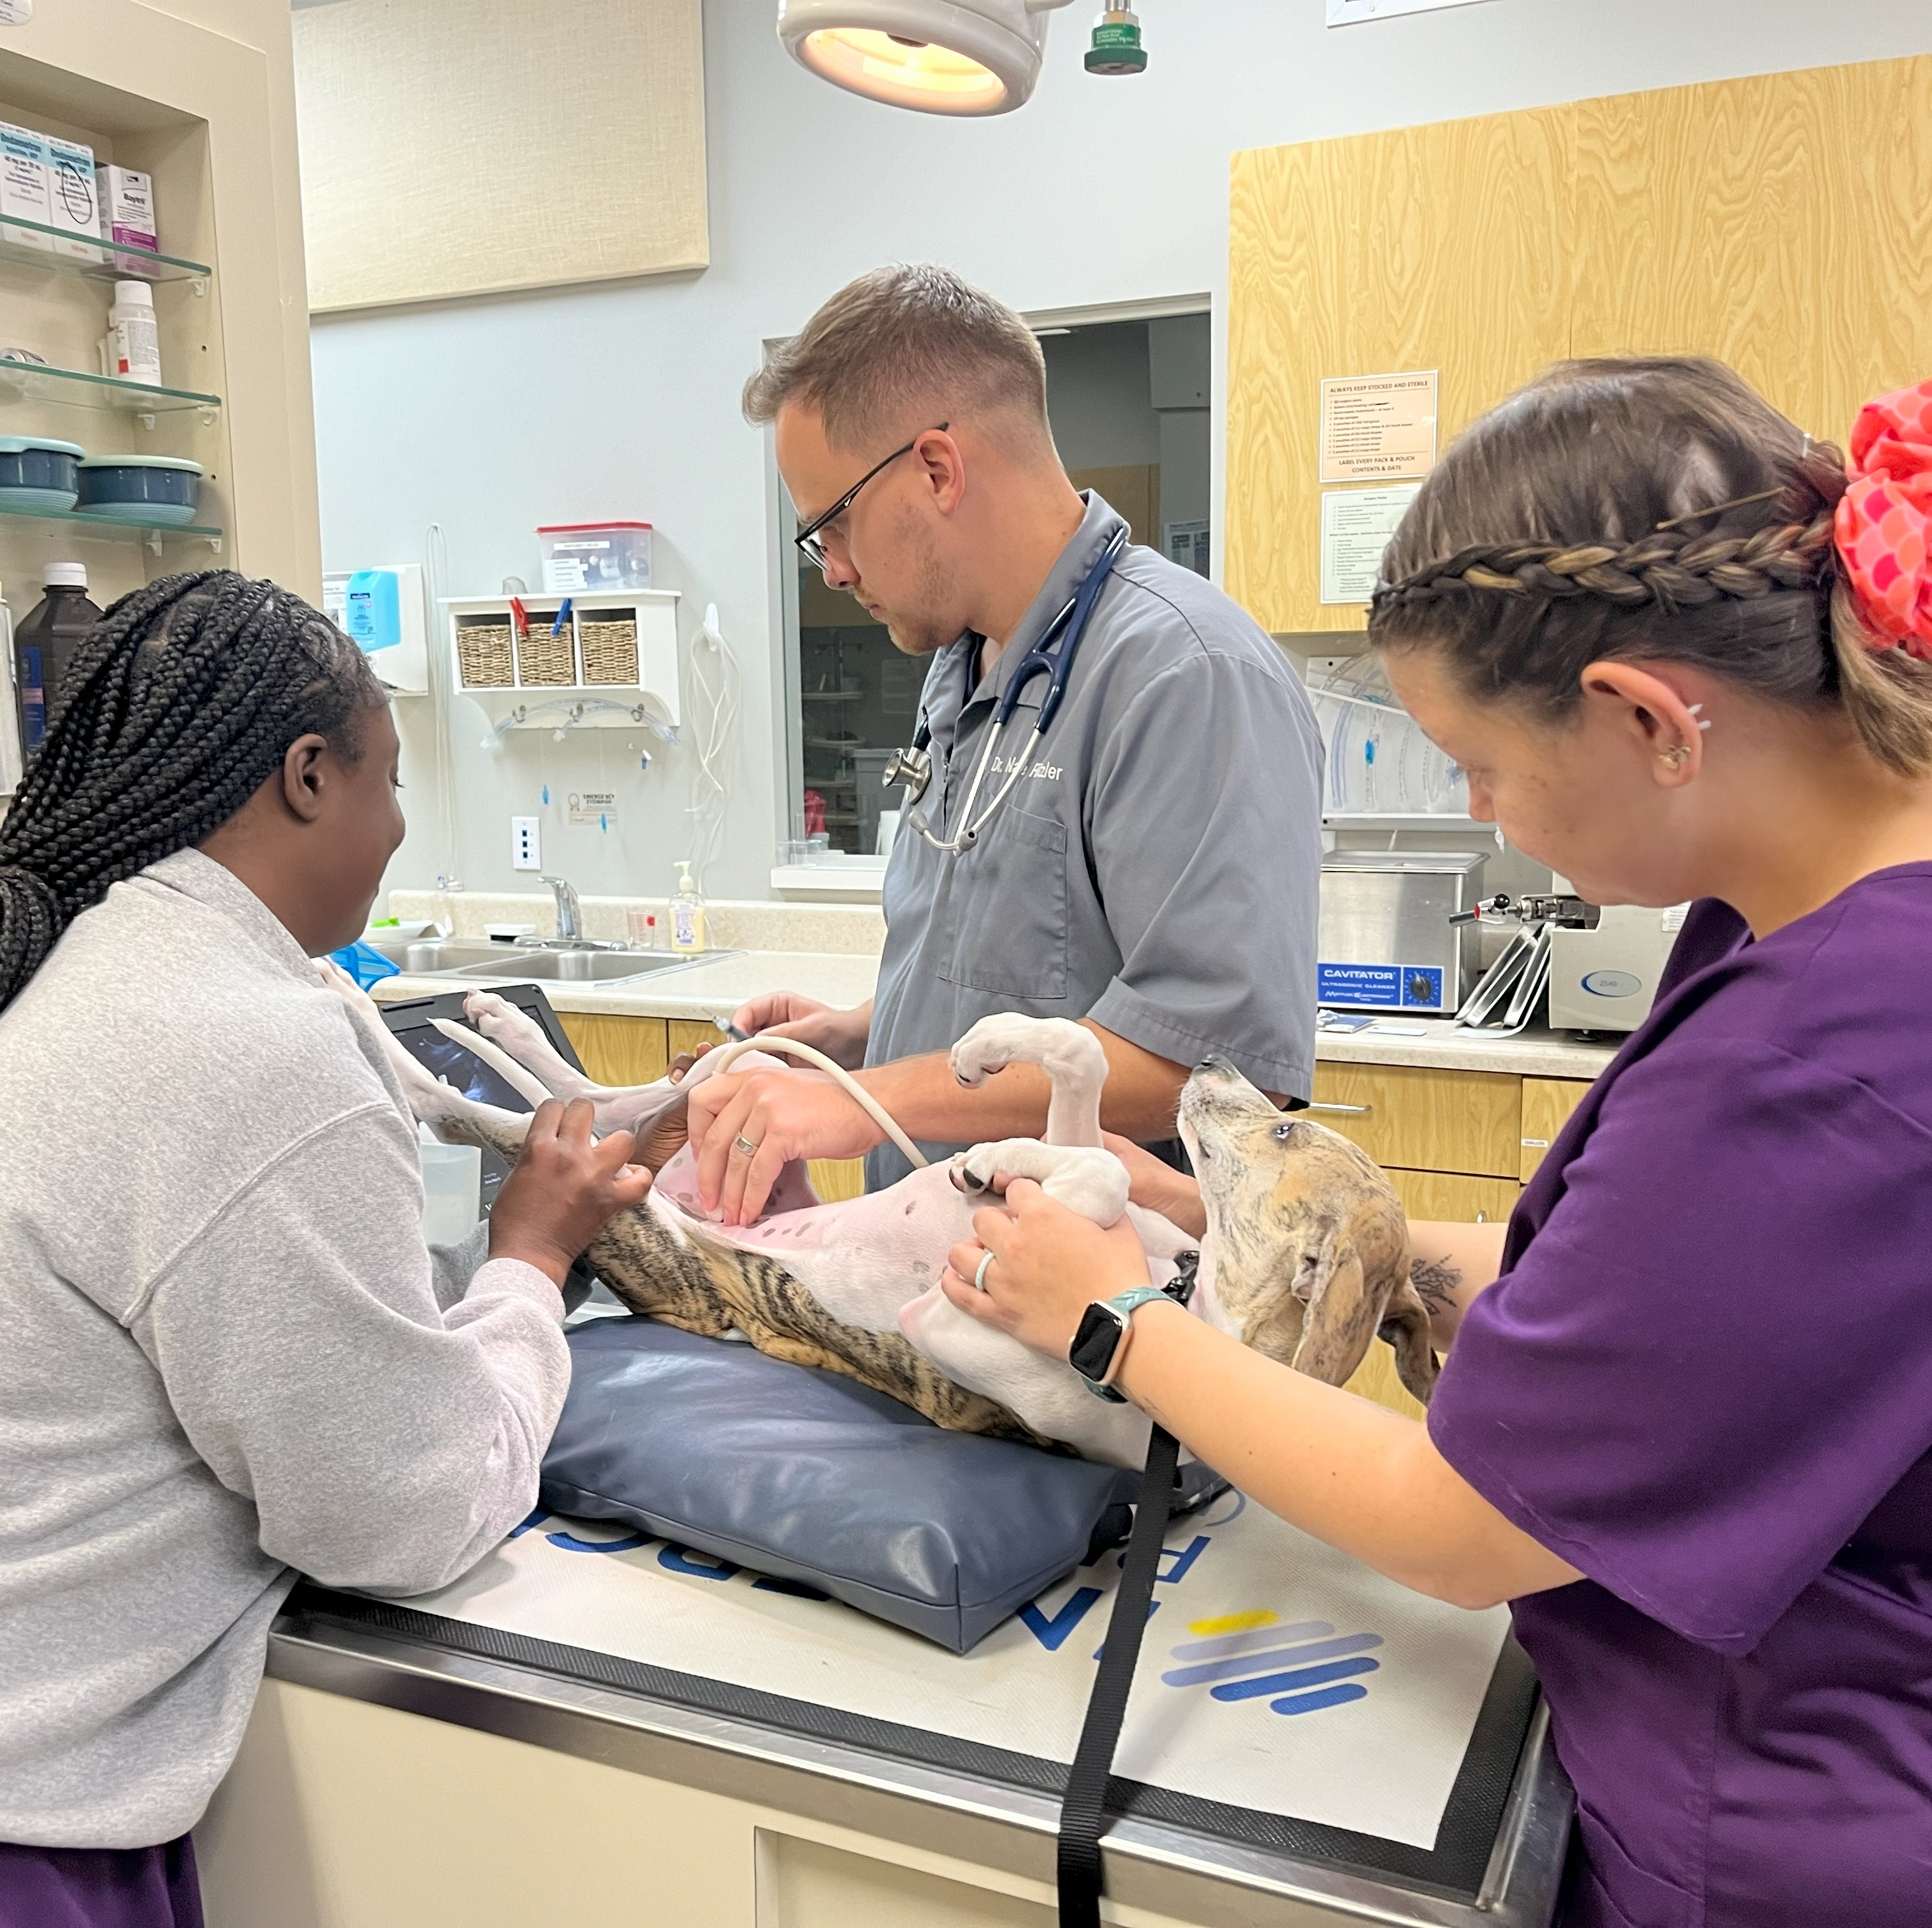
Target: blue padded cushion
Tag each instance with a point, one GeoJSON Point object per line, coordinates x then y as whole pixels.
{"type": "Point", "coordinates": [811, 1477]}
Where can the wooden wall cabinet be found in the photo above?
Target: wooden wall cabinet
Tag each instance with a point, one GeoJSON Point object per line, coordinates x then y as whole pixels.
{"type": "Point", "coordinates": [1782, 224]}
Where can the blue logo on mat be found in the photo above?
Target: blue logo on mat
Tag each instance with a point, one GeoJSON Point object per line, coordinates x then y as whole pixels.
{"type": "Point", "coordinates": [1304, 1668]}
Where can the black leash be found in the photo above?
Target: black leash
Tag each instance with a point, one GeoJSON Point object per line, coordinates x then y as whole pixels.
{"type": "Point", "coordinates": [1083, 1809]}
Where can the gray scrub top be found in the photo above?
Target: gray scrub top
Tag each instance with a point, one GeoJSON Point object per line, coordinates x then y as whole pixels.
{"type": "Point", "coordinates": [1155, 870]}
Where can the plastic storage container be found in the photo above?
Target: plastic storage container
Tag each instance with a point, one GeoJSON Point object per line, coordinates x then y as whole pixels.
{"type": "Point", "coordinates": [140, 488]}
{"type": "Point", "coordinates": [594, 555]}
{"type": "Point", "coordinates": [38, 475]}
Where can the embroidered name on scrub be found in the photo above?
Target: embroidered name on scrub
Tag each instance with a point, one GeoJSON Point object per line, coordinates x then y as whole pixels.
{"type": "Point", "coordinates": [1041, 772]}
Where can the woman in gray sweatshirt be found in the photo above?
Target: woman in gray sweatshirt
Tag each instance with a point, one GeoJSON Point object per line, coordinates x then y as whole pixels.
{"type": "Point", "coordinates": [228, 1355]}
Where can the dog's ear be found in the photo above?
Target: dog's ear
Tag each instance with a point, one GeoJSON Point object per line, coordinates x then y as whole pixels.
{"type": "Point", "coordinates": [1340, 1319]}
{"type": "Point", "coordinates": [1405, 1326]}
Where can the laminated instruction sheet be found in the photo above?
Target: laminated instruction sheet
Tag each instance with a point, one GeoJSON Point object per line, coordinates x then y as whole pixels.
{"type": "Point", "coordinates": [1277, 1674]}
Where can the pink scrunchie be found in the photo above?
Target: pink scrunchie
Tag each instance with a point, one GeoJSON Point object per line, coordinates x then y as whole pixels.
{"type": "Point", "coordinates": [1884, 525]}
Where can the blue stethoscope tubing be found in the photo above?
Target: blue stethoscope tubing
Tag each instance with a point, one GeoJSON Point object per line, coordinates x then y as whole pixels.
{"type": "Point", "coordinates": [1067, 628]}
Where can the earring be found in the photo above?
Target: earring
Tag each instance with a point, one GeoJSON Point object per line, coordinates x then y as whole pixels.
{"type": "Point", "coordinates": [1675, 755]}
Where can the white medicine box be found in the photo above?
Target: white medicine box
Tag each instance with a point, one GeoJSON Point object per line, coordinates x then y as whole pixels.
{"type": "Point", "coordinates": [127, 208]}
{"type": "Point", "coordinates": [72, 197]}
{"type": "Point", "coordinates": [23, 186]}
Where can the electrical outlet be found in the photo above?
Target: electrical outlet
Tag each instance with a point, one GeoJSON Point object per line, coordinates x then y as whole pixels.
{"type": "Point", "coordinates": [526, 847]}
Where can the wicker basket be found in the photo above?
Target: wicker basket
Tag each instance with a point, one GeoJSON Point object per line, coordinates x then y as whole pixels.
{"type": "Point", "coordinates": [544, 660]}
{"type": "Point", "coordinates": [483, 659]}
{"type": "Point", "coordinates": [610, 651]}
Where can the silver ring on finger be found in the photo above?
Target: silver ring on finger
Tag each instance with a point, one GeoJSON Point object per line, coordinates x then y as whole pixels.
{"type": "Point", "coordinates": [979, 1274]}
{"type": "Point", "coordinates": [741, 1143]}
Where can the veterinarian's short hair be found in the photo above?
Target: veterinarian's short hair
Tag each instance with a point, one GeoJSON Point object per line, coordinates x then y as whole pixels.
{"type": "Point", "coordinates": [901, 349]}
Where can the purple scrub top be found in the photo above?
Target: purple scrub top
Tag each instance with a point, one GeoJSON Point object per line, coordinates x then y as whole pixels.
{"type": "Point", "coordinates": [1704, 1380]}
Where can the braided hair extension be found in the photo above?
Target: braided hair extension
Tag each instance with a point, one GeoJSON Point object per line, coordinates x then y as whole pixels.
{"type": "Point", "coordinates": [179, 704]}
{"type": "Point", "coordinates": [1644, 510]}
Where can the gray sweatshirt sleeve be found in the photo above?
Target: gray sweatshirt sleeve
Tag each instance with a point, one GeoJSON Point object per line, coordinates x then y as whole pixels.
{"type": "Point", "coordinates": [387, 1444]}
{"type": "Point", "coordinates": [452, 1267]}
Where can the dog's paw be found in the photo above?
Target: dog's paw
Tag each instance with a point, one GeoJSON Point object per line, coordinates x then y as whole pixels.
{"type": "Point", "coordinates": [1083, 1178]}
{"type": "Point", "coordinates": [501, 1022]}
{"type": "Point", "coordinates": [966, 1177]}
{"type": "Point", "coordinates": [1061, 1047]}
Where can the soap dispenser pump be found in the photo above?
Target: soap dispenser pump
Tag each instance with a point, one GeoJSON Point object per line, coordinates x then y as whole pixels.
{"type": "Point", "coordinates": [687, 912]}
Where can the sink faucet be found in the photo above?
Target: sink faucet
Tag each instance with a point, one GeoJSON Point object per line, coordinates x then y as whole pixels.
{"type": "Point", "coordinates": [569, 925]}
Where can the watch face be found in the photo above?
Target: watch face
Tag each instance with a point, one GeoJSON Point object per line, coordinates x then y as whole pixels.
{"type": "Point", "coordinates": [1095, 1344]}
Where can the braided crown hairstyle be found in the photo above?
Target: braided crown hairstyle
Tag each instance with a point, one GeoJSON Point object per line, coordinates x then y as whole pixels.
{"type": "Point", "coordinates": [1569, 525]}
{"type": "Point", "coordinates": [179, 703]}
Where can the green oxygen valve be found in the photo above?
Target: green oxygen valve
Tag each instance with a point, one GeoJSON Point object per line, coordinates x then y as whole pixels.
{"type": "Point", "coordinates": [1116, 47]}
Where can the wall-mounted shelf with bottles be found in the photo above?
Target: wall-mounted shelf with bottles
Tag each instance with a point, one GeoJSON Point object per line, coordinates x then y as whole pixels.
{"type": "Point", "coordinates": [71, 254]}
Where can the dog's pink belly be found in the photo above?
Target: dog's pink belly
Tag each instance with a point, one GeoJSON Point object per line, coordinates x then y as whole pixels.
{"type": "Point", "coordinates": [862, 1259]}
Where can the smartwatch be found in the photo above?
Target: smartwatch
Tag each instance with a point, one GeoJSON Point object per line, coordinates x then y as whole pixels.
{"type": "Point", "coordinates": [1100, 1345]}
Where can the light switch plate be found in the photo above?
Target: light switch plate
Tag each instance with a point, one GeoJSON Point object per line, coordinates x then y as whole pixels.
{"type": "Point", "coordinates": [525, 846]}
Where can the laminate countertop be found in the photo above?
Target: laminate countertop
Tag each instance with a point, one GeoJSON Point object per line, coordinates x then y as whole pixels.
{"type": "Point", "coordinates": [716, 987]}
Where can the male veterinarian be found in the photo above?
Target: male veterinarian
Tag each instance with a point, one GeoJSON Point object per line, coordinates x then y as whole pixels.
{"type": "Point", "coordinates": [1152, 870]}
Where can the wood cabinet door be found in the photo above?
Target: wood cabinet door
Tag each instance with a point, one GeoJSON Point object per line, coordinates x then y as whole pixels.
{"type": "Point", "coordinates": [694, 1035]}
{"type": "Point", "coordinates": [1423, 1120]}
{"type": "Point", "coordinates": [617, 1050]}
{"type": "Point", "coordinates": [1455, 1197]}
{"type": "Point", "coordinates": [1782, 224]}
{"type": "Point", "coordinates": [1547, 1103]}
{"type": "Point", "coordinates": [1443, 247]}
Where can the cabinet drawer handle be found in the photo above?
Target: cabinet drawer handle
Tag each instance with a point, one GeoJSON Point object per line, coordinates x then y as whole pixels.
{"type": "Point", "coordinates": [1349, 1110]}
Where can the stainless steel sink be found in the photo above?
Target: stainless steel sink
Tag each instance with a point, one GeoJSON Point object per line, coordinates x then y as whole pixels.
{"type": "Point", "coordinates": [577, 967]}
{"type": "Point", "coordinates": [422, 956]}
{"type": "Point", "coordinates": [477, 959]}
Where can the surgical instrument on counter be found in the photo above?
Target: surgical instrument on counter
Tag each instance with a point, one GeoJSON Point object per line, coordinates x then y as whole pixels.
{"type": "Point", "coordinates": [913, 766]}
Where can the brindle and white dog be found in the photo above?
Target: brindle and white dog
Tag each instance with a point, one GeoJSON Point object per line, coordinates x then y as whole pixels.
{"type": "Point", "coordinates": [1306, 1256]}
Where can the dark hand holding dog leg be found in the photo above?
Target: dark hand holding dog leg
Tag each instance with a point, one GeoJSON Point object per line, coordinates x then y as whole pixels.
{"type": "Point", "coordinates": [567, 1186]}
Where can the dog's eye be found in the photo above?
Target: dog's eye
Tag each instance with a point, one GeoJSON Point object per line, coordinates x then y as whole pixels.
{"type": "Point", "coordinates": [1282, 1133]}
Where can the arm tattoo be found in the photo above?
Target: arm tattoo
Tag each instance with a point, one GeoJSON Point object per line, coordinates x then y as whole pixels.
{"type": "Point", "coordinates": [1435, 1280]}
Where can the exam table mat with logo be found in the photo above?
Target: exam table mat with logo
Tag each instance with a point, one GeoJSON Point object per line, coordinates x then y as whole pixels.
{"type": "Point", "coordinates": [1286, 1695]}
{"type": "Point", "coordinates": [809, 1475]}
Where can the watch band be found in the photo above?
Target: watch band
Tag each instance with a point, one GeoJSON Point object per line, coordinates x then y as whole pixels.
{"type": "Point", "coordinates": [1123, 1305]}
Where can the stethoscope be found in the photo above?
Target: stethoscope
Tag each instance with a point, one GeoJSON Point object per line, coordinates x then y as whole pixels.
{"type": "Point", "coordinates": [913, 766]}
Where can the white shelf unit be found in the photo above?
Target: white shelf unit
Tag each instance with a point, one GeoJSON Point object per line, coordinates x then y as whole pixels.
{"type": "Point", "coordinates": [513, 679]}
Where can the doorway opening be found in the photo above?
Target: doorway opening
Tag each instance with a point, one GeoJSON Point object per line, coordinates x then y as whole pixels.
{"type": "Point", "coordinates": [1130, 402]}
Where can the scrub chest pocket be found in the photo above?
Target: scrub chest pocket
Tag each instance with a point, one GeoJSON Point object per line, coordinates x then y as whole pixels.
{"type": "Point", "coordinates": [1007, 909]}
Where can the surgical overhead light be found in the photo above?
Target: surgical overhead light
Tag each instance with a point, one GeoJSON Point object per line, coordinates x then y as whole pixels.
{"type": "Point", "coordinates": [944, 57]}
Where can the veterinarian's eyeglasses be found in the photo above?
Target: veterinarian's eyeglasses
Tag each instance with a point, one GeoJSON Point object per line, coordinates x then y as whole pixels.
{"type": "Point", "coordinates": [807, 538]}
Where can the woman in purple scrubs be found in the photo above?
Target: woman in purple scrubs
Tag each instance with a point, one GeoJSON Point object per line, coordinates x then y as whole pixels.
{"type": "Point", "coordinates": [1686, 1427]}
